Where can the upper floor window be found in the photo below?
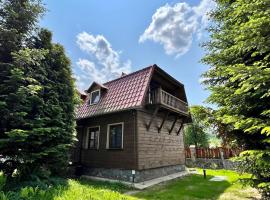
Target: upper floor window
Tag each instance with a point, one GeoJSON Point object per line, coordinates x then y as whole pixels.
{"type": "Point", "coordinates": [94, 97]}
{"type": "Point", "coordinates": [115, 136]}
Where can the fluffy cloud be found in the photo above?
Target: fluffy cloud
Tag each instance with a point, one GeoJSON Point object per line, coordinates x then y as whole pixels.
{"type": "Point", "coordinates": [103, 63]}
{"type": "Point", "coordinates": [174, 26]}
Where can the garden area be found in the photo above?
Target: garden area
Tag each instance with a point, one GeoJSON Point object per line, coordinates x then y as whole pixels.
{"type": "Point", "coordinates": [193, 187]}
{"type": "Point", "coordinates": [39, 100]}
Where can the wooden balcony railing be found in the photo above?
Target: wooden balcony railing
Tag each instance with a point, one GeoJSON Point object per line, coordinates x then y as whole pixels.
{"type": "Point", "coordinates": [164, 98]}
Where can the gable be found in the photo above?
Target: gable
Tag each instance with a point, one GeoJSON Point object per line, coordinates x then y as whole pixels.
{"type": "Point", "coordinates": [96, 86]}
{"type": "Point", "coordinates": [168, 83]}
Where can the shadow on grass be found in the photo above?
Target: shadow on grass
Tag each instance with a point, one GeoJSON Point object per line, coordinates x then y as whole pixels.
{"type": "Point", "coordinates": [59, 188]}
{"type": "Point", "coordinates": [117, 187]}
{"type": "Point", "coordinates": [32, 190]}
{"type": "Point", "coordinates": [190, 187]}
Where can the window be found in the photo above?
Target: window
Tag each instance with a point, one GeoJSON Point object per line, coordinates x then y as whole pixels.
{"type": "Point", "coordinates": [115, 136]}
{"type": "Point", "coordinates": [94, 97]}
{"type": "Point", "coordinates": [92, 138]}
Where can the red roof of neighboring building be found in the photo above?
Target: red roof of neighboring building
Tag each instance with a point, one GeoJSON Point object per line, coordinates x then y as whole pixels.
{"type": "Point", "coordinates": [122, 93]}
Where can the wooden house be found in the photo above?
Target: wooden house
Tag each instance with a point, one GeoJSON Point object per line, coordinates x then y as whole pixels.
{"type": "Point", "coordinates": [133, 124]}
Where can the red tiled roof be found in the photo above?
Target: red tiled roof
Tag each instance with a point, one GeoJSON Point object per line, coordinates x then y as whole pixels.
{"type": "Point", "coordinates": [123, 93]}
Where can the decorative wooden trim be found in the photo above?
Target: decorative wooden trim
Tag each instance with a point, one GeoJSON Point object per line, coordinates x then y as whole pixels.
{"type": "Point", "coordinates": [180, 128]}
{"type": "Point", "coordinates": [152, 118]}
{"type": "Point", "coordinates": [175, 120]}
{"type": "Point", "coordinates": [163, 121]}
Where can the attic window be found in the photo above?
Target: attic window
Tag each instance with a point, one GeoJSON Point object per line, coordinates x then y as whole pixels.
{"type": "Point", "coordinates": [94, 97]}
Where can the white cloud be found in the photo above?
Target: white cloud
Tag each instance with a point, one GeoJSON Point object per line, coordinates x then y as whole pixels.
{"type": "Point", "coordinates": [174, 26]}
{"type": "Point", "coordinates": [104, 63]}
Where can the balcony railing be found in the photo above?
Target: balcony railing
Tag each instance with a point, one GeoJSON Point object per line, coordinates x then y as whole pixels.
{"type": "Point", "coordinates": [164, 98]}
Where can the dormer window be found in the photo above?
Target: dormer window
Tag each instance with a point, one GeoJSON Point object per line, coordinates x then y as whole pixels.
{"type": "Point", "coordinates": [94, 97]}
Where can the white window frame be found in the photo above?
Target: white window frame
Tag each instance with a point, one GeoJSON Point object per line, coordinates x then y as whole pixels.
{"type": "Point", "coordinates": [86, 142]}
{"type": "Point", "coordinates": [108, 135]}
{"type": "Point", "coordinates": [90, 100]}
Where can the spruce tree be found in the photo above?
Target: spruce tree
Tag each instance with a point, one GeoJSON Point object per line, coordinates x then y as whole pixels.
{"type": "Point", "coordinates": [239, 80]}
{"type": "Point", "coordinates": [36, 93]}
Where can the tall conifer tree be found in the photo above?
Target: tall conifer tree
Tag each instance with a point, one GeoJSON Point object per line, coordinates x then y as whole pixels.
{"type": "Point", "coordinates": [36, 93]}
{"type": "Point", "coordinates": [239, 79]}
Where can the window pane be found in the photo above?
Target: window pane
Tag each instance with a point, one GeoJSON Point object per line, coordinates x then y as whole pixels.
{"type": "Point", "coordinates": [92, 144]}
{"type": "Point", "coordinates": [115, 137]}
{"type": "Point", "coordinates": [95, 97]}
{"type": "Point", "coordinates": [93, 138]}
{"type": "Point", "coordinates": [92, 135]}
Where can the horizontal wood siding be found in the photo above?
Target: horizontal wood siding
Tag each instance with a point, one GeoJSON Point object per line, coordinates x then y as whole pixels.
{"type": "Point", "coordinates": [107, 158]}
{"type": "Point", "coordinates": [158, 149]}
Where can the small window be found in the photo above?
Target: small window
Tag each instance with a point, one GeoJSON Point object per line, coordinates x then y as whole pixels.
{"type": "Point", "coordinates": [115, 136]}
{"type": "Point", "coordinates": [92, 138]}
{"type": "Point", "coordinates": [94, 97]}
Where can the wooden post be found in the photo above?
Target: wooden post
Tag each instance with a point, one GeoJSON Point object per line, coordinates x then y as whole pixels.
{"type": "Point", "coordinates": [192, 152]}
{"type": "Point", "coordinates": [222, 157]}
{"type": "Point", "coordinates": [159, 96]}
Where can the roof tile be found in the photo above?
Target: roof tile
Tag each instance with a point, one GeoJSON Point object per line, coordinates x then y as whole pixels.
{"type": "Point", "coordinates": [122, 93]}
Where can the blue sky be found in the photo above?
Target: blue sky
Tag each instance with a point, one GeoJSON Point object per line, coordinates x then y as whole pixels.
{"type": "Point", "coordinates": [104, 38]}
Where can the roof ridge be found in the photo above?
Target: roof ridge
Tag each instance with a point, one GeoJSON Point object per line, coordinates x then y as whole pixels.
{"type": "Point", "coordinates": [130, 74]}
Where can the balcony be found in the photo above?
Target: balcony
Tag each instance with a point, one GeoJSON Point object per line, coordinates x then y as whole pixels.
{"type": "Point", "coordinates": [166, 100]}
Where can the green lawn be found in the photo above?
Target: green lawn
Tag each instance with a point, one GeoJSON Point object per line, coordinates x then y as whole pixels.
{"type": "Point", "coordinates": [195, 187]}
{"type": "Point", "coordinates": [70, 190]}
{"type": "Point", "coordinates": [191, 187]}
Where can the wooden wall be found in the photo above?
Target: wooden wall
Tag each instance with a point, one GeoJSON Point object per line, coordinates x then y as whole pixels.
{"type": "Point", "coordinates": [107, 158]}
{"type": "Point", "coordinates": [158, 149]}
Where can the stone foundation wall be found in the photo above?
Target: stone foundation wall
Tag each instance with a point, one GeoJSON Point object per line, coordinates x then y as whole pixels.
{"type": "Point", "coordinates": [140, 175]}
{"type": "Point", "coordinates": [211, 163]}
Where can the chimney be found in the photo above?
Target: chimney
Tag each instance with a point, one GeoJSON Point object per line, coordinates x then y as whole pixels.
{"type": "Point", "coordinates": [123, 74]}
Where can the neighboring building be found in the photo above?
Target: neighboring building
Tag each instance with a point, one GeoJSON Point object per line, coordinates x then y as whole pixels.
{"type": "Point", "coordinates": [133, 123]}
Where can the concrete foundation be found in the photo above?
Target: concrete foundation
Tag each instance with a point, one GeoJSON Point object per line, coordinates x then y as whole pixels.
{"type": "Point", "coordinates": [140, 175]}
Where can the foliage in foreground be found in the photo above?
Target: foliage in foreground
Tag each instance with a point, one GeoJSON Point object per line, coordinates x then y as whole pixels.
{"type": "Point", "coordinates": [36, 94]}
{"type": "Point", "coordinates": [60, 189]}
{"type": "Point", "coordinates": [239, 79]}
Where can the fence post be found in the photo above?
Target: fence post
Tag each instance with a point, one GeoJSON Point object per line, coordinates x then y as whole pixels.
{"type": "Point", "coordinates": [222, 157]}
{"type": "Point", "coordinates": [192, 152]}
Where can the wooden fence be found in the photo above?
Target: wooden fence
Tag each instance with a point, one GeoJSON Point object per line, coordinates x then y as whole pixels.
{"type": "Point", "coordinates": [214, 153]}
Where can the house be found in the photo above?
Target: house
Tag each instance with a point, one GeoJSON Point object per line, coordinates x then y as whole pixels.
{"type": "Point", "coordinates": [133, 124]}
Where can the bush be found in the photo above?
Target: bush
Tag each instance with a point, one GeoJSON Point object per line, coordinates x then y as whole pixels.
{"type": "Point", "coordinates": [257, 163]}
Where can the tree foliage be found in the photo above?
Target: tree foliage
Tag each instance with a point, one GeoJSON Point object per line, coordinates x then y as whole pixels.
{"type": "Point", "coordinates": [196, 133]}
{"type": "Point", "coordinates": [36, 93]}
{"type": "Point", "coordinates": [239, 79]}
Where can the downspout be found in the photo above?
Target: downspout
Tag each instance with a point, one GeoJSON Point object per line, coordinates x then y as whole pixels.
{"type": "Point", "coordinates": [135, 138]}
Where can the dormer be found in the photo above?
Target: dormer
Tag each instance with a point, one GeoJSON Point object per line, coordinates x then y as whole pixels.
{"type": "Point", "coordinates": [95, 92]}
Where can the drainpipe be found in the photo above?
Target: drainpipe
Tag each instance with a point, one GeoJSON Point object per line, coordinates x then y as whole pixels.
{"type": "Point", "coordinates": [135, 138]}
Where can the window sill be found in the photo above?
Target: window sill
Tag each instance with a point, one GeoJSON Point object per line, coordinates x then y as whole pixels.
{"type": "Point", "coordinates": [91, 149]}
{"type": "Point", "coordinates": [115, 149]}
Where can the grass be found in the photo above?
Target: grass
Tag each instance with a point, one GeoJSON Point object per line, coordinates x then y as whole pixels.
{"type": "Point", "coordinates": [194, 187]}
{"type": "Point", "coordinates": [71, 189]}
